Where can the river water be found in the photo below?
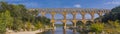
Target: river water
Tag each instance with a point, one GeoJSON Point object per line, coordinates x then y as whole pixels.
{"type": "Point", "coordinates": [60, 30]}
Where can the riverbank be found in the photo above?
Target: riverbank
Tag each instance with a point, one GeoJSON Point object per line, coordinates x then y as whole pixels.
{"type": "Point", "coordinates": [25, 32]}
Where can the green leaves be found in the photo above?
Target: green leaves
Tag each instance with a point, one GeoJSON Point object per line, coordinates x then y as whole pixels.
{"type": "Point", "coordinates": [116, 9]}
{"type": "Point", "coordinates": [97, 27]}
{"type": "Point", "coordinates": [113, 15]}
{"type": "Point", "coordinates": [5, 21]}
{"type": "Point", "coordinates": [8, 19]}
{"type": "Point", "coordinates": [16, 17]}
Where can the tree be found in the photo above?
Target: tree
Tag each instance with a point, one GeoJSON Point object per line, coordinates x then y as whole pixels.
{"type": "Point", "coordinates": [113, 15]}
{"type": "Point", "coordinates": [97, 27]}
{"type": "Point", "coordinates": [88, 23]}
{"type": "Point", "coordinates": [18, 25]}
{"type": "Point", "coordinates": [15, 17]}
{"type": "Point", "coordinates": [43, 20]}
{"type": "Point", "coordinates": [2, 24]}
{"type": "Point", "coordinates": [3, 6]}
{"type": "Point", "coordinates": [38, 25]}
{"type": "Point", "coordinates": [79, 23]}
{"type": "Point", "coordinates": [116, 9]}
{"type": "Point", "coordinates": [33, 12]}
{"type": "Point", "coordinates": [8, 19]}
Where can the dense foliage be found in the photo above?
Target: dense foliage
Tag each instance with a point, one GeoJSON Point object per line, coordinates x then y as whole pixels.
{"type": "Point", "coordinates": [106, 24]}
{"type": "Point", "coordinates": [17, 18]}
{"type": "Point", "coordinates": [97, 27]}
{"type": "Point", "coordinates": [113, 15]}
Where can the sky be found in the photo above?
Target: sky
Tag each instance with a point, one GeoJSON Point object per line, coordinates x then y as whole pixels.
{"type": "Point", "coordinates": [108, 4]}
{"type": "Point", "coordinates": [99, 4]}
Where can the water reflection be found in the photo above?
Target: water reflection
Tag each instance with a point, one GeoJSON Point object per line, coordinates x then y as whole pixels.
{"type": "Point", "coordinates": [74, 31]}
{"type": "Point", "coordinates": [60, 30]}
{"type": "Point", "coordinates": [53, 31]}
{"type": "Point", "coordinates": [64, 31]}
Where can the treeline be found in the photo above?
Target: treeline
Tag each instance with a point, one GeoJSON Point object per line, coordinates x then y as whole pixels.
{"type": "Point", "coordinates": [17, 18]}
{"type": "Point", "coordinates": [106, 24]}
{"type": "Point", "coordinates": [111, 16]}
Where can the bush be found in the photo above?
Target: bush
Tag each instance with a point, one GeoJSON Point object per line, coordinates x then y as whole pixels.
{"type": "Point", "coordinates": [113, 26]}
{"type": "Point", "coordinates": [97, 27]}
{"type": "Point", "coordinates": [2, 28]}
{"type": "Point", "coordinates": [28, 26]}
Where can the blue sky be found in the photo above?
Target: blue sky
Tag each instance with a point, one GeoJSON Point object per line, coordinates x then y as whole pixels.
{"type": "Point", "coordinates": [100, 4]}
{"type": "Point", "coordinates": [109, 4]}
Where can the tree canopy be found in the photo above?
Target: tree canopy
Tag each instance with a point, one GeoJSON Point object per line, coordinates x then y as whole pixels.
{"type": "Point", "coordinates": [17, 17]}
{"type": "Point", "coordinates": [112, 16]}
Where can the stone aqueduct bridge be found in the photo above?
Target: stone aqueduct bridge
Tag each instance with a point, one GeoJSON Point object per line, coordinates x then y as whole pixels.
{"type": "Point", "coordinates": [73, 11]}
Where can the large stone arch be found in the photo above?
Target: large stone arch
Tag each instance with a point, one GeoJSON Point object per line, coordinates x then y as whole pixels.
{"type": "Point", "coordinates": [78, 16]}
{"type": "Point", "coordinates": [78, 23]}
{"type": "Point", "coordinates": [89, 22]}
{"type": "Point", "coordinates": [48, 15]}
{"type": "Point", "coordinates": [58, 16]}
{"type": "Point", "coordinates": [58, 22]}
{"type": "Point", "coordinates": [87, 16]}
{"type": "Point", "coordinates": [69, 23]}
{"type": "Point", "coordinates": [69, 16]}
{"type": "Point", "coordinates": [96, 15]}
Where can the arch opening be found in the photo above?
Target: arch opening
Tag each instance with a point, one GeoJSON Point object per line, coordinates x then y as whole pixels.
{"type": "Point", "coordinates": [69, 23]}
{"type": "Point", "coordinates": [79, 23]}
{"type": "Point", "coordinates": [58, 22]}
{"type": "Point", "coordinates": [58, 16]}
{"type": "Point", "coordinates": [48, 15]}
{"type": "Point", "coordinates": [87, 16]}
{"type": "Point", "coordinates": [96, 15]}
{"type": "Point", "coordinates": [78, 16]}
{"type": "Point", "coordinates": [69, 16]}
{"type": "Point", "coordinates": [88, 23]}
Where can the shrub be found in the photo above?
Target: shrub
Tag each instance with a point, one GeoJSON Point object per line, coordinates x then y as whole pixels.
{"type": "Point", "coordinates": [2, 28]}
{"type": "Point", "coordinates": [28, 26]}
{"type": "Point", "coordinates": [97, 27]}
{"type": "Point", "coordinates": [38, 25]}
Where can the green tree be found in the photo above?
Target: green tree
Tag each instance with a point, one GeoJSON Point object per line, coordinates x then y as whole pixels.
{"type": "Point", "coordinates": [2, 24]}
{"type": "Point", "coordinates": [18, 25]}
{"type": "Point", "coordinates": [88, 23]}
{"type": "Point", "coordinates": [17, 16]}
{"type": "Point", "coordinates": [43, 20]}
{"type": "Point", "coordinates": [28, 26]}
{"type": "Point", "coordinates": [116, 9]}
{"type": "Point", "coordinates": [39, 25]}
{"type": "Point", "coordinates": [97, 27]}
{"type": "Point", "coordinates": [113, 15]}
{"type": "Point", "coordinates": [8, 19]}
{"type": "Point", "coordinates": [79, 23]}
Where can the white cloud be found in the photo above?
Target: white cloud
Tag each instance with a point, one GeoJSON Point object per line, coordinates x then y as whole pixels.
{"type": "Point", "coordinates": [77, 5]}
{"type": "Point", "coordinates": [113, 2]}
